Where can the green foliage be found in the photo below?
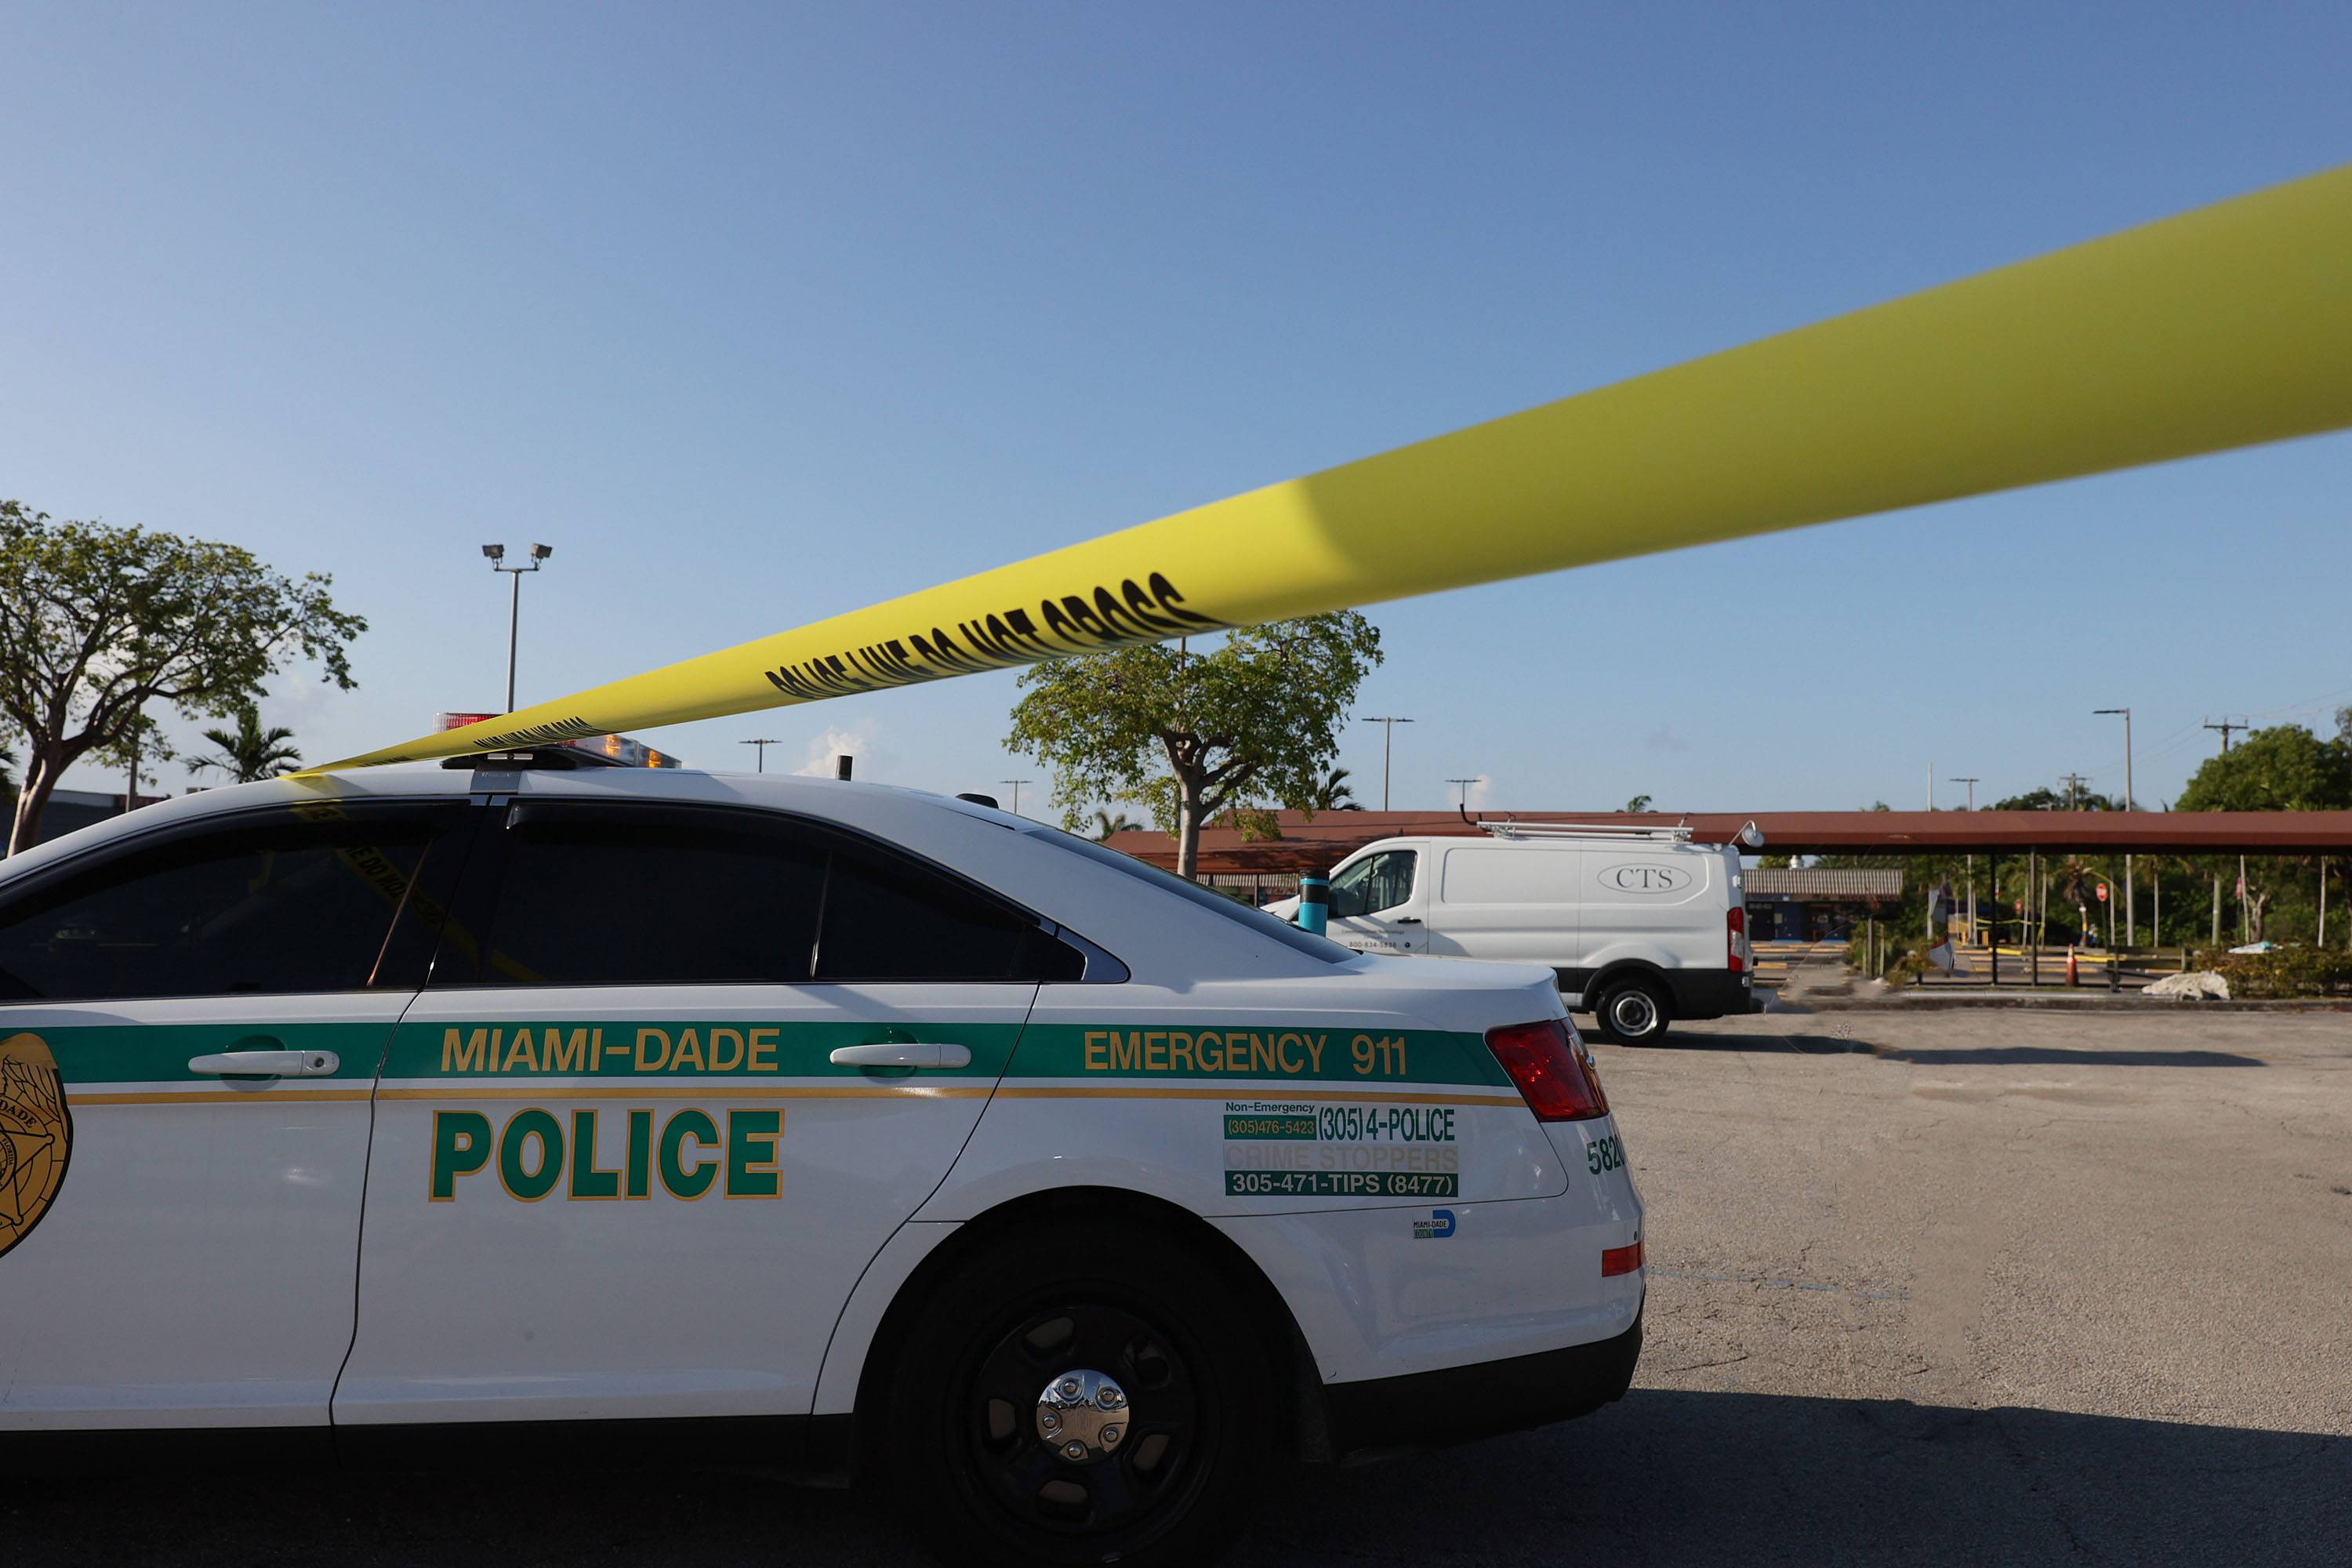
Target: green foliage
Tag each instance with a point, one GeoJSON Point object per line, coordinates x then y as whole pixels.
{"type": "Point", "coordinates": [1638, 805]}
{"type": "Point", "coordinates": [2285, 768]}
{"type": "Point", "coordinates": [2047, 799]}
{"type": "Point", "coordinates": [99, 624]}
{"type": "Point", "coordinates": [1333, 793]}
{"type": "Point", "coordinates": [1253, 823]}
{"type": "Point", "coordinates": [1108, 822]}
{"type": "Point", "coordinates": [1187, 734]}
{"type": "Point", "coordinates": [2283, 973]}
{"type": "Point", "coordinates": [249, 752]}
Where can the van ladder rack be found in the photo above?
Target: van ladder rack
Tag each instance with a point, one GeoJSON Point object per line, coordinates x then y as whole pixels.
{"type": "Point", "coordinates": [1749, 839]}
{"type": "Point", "coordinates": [1680, 833]}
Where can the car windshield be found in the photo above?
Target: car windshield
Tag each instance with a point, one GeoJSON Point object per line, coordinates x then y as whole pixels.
{"type": "Point", "coordinates": [1258, 921]}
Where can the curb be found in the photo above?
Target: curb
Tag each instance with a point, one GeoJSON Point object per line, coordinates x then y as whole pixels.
{"type": "Point", "coordinates": [1912, 1001]}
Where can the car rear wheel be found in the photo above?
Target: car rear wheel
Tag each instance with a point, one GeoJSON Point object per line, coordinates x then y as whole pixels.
{"type": "Point", "coordinates": [1081, 1395]}
{"type": "Point", "coordinates": [1631, 1013]}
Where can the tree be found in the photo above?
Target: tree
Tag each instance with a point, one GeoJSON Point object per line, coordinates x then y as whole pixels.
{"type": "Point", "coordinates": [1639, 805]}
{"type": "Point", "coordinates": [249, 752]}
{"type": "Point", "coordinates": [1108, 822]}
{"type": "Point", "coordinates": [100, 624]}
{"type": "Point", "coordinates": [2283, 768]}
{"type": "Point", "coordinates": [2047, 799]}
{"type": "Point", "coordinates": [1190, 733]}
{"type": "Point", "coordinates": [1333, 793]}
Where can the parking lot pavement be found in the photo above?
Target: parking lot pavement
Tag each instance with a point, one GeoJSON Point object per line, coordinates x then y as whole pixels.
{"type": "Point", "coordinates": [2014, 1288]}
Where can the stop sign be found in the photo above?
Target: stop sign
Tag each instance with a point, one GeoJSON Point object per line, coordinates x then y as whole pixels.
{"type": "Point", "coordinates": [2102, 892]}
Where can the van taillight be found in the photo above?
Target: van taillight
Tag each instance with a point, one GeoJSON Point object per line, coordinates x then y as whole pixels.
{"type": "Point", "coordinates": [1735, 928]}
{"type": "Point", "coordinates": [1554, 1074]}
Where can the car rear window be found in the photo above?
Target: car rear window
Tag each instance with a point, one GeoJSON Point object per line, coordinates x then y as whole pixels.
{"type": "Point", "coordinates": [1258, 921]}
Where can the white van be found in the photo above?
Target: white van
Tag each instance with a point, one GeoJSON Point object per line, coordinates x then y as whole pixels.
{"type": "Point", "coordinates": [1641, 925]}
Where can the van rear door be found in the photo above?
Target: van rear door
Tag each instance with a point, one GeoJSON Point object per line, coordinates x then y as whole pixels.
{"type": "Point", "coordinates": [1657, 905]}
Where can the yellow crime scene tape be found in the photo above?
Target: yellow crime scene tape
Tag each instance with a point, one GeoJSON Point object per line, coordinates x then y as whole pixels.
{"type": "Point", "coordinates": [2223, 327]}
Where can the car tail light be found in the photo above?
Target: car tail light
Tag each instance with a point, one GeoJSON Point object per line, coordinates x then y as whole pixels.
{"type": "Point", "coordinates": [1554, 1073]}
{"type": "Point", "coordinates": [1735, 934]}
{"type": "Point", "coordinates": [1615, 1260]}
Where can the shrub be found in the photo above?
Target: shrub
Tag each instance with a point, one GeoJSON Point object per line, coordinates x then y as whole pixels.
{"type": "Point", "coordinates": [2283, 973]}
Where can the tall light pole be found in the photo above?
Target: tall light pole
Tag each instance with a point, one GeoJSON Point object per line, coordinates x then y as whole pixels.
{"type": "Point", "coordinates": [1016, 784]}
{"type": "Point", "coordinates": [498, 554]}
{"type": "Point", "coordinates": [762, 744]}
{"type": "Point", "coordinates": [1465, 784]}
{"type": "Point", "coordinates": [1970, 780]}
{"type": "Point", "coordinates": [2131, 926]}
{"type": "Point", "coordinates": [1387, 733]}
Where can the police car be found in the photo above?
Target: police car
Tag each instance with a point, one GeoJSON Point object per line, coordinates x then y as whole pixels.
{"type": "Point", "coordinates": [857, 1133]}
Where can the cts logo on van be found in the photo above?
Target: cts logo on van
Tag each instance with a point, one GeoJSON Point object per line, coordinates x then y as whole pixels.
{"type": "Point", "coordinates": [1635, 878]}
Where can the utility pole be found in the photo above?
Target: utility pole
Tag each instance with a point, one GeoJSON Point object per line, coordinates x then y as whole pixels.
{"type": "Point", "coordinates": [1970, 780]}
{"type": "Point", "coordinates": [2073, 782]}
{"type": "Point", "coordinates": [1387, 733]}
{"type": "Point", "coordinates": [762, 744]}
{"type": "Point", "coordinates": [2225, 727]}
{"type": "Point", "coordinates": [1016, 784]}
{"type": "Point", "coordinates": [2131, 925]}
{"type": "Point", "coordinates": [498, 555]}
{"type": "Point", "coordinates": [1465, 784]}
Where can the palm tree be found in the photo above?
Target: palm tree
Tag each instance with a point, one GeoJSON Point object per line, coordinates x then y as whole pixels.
{"type": "Point", "coordinates": [1106, 824]}
{"type": "Point", "coordinates": [1333, 793]}
{"type": "Point", "coordinates": [249, 752]}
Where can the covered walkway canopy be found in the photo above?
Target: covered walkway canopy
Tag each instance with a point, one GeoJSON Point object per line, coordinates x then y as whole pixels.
{"type": "Point", "coordinates": [1314, 846]}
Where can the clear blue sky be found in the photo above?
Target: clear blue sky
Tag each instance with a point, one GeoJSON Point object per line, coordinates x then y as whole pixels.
{"type": "Point", "coordinates": [760, 313]}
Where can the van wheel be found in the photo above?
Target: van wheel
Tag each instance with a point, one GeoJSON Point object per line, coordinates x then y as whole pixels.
{"type": "Point", "coordinates": [1631, 1013]}
{"type": "Point", "coordinates": [1085, 1396]}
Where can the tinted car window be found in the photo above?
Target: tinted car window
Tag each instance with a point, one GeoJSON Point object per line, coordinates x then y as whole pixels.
{"type": "Point", "coordinates": [625, 896]}
{"type": "Point", "coordinates": [1258, 921]}
{"type": "Point", "coordinates": [272, 905]}
{"type": "Point", "coordinates": [1377, 882]}
{"type": "Point", "coordinates": [676, 899]}
{"type": "Point", "coordinates": [887, 919]}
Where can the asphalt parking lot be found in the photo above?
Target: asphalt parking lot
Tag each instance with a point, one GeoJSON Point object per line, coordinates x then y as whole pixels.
{"type": "Point", "coordinates": [2017, 1286]}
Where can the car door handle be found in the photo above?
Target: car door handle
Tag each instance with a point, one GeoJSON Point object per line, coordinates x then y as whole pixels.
{"type": "Point", "coordinates": [900, 1053]}
{"type": "Point", "coordinates": [267, 1064]}
{"type": "Point", "coordinates": [1408, 919]}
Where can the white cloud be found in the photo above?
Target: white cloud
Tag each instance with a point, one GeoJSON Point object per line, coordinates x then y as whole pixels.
{"type": "Point", "coordinates": [1481, 791]}
{"type": "Point", "coordinates": [857, 741]}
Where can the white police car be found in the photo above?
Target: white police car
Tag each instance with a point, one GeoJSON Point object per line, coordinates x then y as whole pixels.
{"type": "Point", "coordinates": [815, 1125]}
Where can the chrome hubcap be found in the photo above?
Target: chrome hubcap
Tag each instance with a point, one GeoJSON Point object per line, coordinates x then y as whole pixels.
{"type": "Point", "coordinates": [1632, 1014]}
{"type": "Point", "coordinates": [1083, 1415]}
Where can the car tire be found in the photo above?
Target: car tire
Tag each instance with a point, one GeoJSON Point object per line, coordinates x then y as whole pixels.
{"type": "Point", "coordinates": [1631, 1013]}
{"type": "Point", "coordinates": [1168, 1470]}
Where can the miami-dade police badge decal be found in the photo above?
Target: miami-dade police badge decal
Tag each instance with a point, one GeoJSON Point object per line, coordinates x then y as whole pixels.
{"type": "Point", "coordinates": [35, 1135]}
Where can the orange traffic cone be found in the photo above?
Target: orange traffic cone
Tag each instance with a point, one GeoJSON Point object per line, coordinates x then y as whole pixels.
{"type": "Point", "coordinates": [2073, 976]}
